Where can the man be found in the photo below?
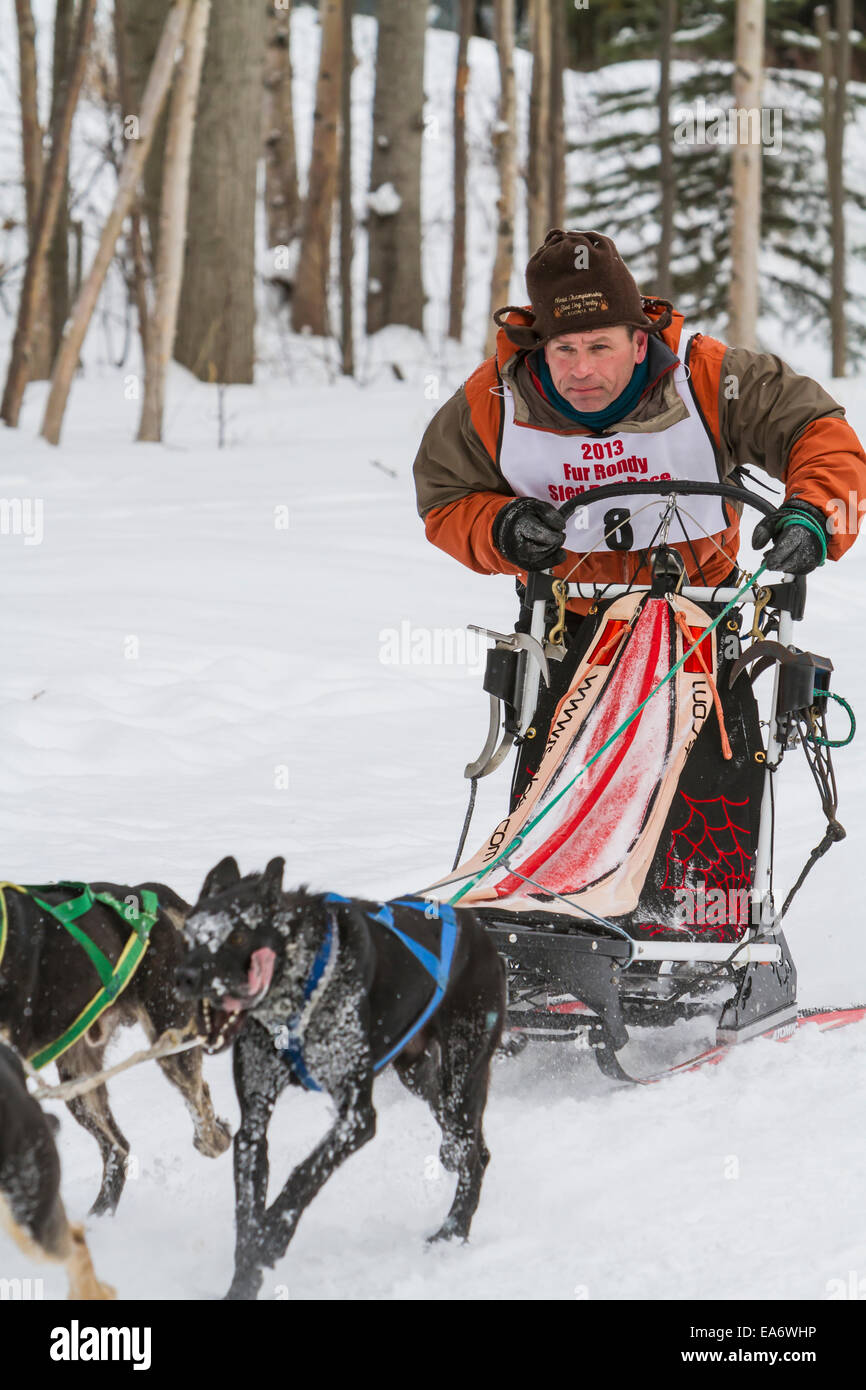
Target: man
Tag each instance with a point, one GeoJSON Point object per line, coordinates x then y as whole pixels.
{"type": "Point", "coordinates": [588, 387]}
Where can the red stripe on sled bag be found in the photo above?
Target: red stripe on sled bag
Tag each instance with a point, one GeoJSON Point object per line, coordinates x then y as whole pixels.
{"type": "Point", "coordinates": [597, 782]}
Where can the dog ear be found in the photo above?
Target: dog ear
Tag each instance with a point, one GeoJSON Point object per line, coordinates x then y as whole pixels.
{"type": "Point", "coordinates": [224, 875]}
{"type": "Point", "coordinates": [271, 883]}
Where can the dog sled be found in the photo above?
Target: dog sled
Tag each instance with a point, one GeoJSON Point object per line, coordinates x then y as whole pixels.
{"type": "Point", "coordinates": [632, 884]}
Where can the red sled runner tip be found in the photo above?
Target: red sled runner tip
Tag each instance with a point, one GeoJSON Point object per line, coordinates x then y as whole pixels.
{"type": "Point", "coordinates": [826, 1019]}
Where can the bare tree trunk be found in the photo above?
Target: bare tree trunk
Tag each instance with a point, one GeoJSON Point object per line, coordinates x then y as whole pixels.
{"type": "Point", "coordinates": [33, 161]}
{"type": "Point", "coordinates": [663, 285]}
{"type": "Point", "coordinates": [282, 199]}
{"type": "Point", "coordinates": [822, 28]}
{"type": "Point", "coordinates": [140, 24]}
{"type": "Point", "coordinates": [49, 201]}
{"type": "Point", "coordinates": [59, 263]}
{"type": "Point", "coordinates": [506, 161]}
{"type": "Point", "coordinates": [310, 294]}
{"type": "Point", "coordinates": [746, 178]}
{"type": "Point", "coordinates": [173, 210]}
{"type": "Point", "coordinates": [130, 175]}
{"type": "Point", "coordinates": [538, 182]}
{"type": "Point", "coordinates": [457, 297]}
{"type": "Point", "coordinates": [347, 221]}
{"type": "Point", "coordinates": [556, 206]}
{"type": "Point", "coordinates": [126, 103]}
{"type": "Point", "coordinates": [216, 325]}
{"type": "Point", "coordinates": [395, 288]}
{"type": "Point", "coordinates": [844, 19]}
{"type": "Point", "coordinates": [31, 130]}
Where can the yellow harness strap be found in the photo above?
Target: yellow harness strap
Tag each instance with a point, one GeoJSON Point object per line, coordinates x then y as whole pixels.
{"type": "Point", "coordinates": [4, 915]}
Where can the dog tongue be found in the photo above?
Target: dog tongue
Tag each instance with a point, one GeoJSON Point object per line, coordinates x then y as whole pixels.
{"type": "Point", "coordinates": [261, 970]}
{"type": "Point", "coordinates": [258, 980]}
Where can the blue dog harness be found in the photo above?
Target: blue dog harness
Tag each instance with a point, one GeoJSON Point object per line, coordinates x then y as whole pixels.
{"type": "Point", "coordinates": [290, 1040]}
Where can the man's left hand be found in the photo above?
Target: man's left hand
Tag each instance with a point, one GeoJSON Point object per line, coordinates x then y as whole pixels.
{"type": "Point", "coordinates": [797, 548]}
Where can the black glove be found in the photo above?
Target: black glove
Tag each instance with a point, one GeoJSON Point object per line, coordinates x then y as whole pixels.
{"type": "Point", "coordinates": [797, 549]}
{"type": "Point", "coordinates": [529, 533]}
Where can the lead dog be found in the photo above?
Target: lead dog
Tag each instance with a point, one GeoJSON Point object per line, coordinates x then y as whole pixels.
{"type": "Point", "coordinates": [30, 1205]}
{"type": "Point", "coordinates": [323, 992]}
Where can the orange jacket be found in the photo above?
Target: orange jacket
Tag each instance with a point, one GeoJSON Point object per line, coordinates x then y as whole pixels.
{"type": "Point", "coordinates": [756, 410]}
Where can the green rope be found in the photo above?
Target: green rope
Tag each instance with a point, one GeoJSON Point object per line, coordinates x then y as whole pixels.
{"type": "Point", "coordinates": [837, 742]}
{"type": "Point", "coordinates": [518, 839]}
{"type": "Point", "coordinates": [803, 519]}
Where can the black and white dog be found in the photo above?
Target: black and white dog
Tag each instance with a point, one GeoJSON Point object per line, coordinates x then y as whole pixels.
{"type": "Point", "coordinates": [30, 1205]}
{"type": "Point", "coordinates": [324, 992]}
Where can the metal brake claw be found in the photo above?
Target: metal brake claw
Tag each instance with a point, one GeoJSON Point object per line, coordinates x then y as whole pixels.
{"type": "Point", "coordinates": [765, 653]}
{"type": "Point", "coordinates": [488, 760]}
{"type": "Point", "coordinates": [518, 641]}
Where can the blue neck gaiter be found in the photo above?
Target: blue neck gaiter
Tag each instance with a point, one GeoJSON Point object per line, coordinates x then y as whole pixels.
{"type": "Point", "coordinates": [597, 419]}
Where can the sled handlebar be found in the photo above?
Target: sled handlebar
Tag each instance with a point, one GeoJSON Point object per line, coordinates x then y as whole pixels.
{"type": "Point", "coordinates": [664, 488]}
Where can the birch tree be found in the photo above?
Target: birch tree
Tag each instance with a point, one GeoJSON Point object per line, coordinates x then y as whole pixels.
{"type": "Point", "coordinates": [130, 174]}
{"type": "Point", "coordinates": [347, 216]}
{"type": "Point", "coordinates": [835, 66]}
{"type": "Point", "coordinates": [457, 294]}
{"type": "Point", "coordinates": [746, 175]}
{"type": "Point", "coordinates": [556, 172]}
{"type": "Point", "coordinates": [504, 139]}
{"type": "Point", "coordinates": [663, 283]}
{"type": "Point", "coordinates": [173, 212]}
{"type": "Point", "coordinates": [58, 293]}
{"type": "Point", "coordinates": [46, 216]}
{"type": "Point", "coordinates": [32, 136]}
{"type": "Point", "coordinates": [538, 179]}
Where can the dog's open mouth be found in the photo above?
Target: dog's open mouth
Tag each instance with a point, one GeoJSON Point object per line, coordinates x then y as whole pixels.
{"type": "Point", "coordinates": [221, 1022]}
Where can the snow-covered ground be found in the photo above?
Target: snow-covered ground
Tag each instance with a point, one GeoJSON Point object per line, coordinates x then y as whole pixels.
{"type": "Point", "coordinates": [198, 662]}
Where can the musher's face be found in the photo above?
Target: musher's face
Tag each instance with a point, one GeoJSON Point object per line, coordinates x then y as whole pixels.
{"type": "Point", "coordinates": [591, 369]}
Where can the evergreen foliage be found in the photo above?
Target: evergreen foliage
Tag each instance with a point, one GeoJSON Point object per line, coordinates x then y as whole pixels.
{"type": "Point", "coordinates": [623, 197]}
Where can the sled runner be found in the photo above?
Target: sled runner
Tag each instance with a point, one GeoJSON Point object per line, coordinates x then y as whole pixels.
{"type": "Point", "coordinates": [631, 883]}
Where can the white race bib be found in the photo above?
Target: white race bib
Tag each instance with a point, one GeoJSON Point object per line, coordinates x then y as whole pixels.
{"type": "Point", "coordinates": [557, 467]}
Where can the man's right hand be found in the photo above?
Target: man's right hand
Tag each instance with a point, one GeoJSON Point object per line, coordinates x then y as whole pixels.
{"type": "Point", "coordinates": [529, 533]}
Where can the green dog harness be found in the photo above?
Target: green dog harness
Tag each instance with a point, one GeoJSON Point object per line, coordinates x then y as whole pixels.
{"type": "Point", "coordinates": [113, 978]}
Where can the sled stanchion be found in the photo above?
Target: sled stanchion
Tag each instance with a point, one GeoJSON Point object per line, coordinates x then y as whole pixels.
{"type": "Point", "coordinates": [533, 674]}
{"type": "Point", "coordinates": [762, 887]}
{"type": "Point", "coordinates": [476, 878]}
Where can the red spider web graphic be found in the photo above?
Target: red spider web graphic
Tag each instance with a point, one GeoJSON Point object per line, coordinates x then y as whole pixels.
{"type": "Point", "coordinates": [709, 852]}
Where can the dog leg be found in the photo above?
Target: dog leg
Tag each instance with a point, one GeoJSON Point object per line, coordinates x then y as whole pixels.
{"type": "Point", "coordinates": [57, 1240]}
{"type": "Point", "coordinates": [354, 1127]}
{"type": "Point", "coordinates": [467, 1049]}
{"type": "Point", "coordinates": [184, 1070]}
{"type": "Point", "coordinates": [212, 1134]}
{"type": "Point", "coordinates": [83, 1283]}
{"type": "Point", "coordinates": [93, 1113]}
{"type": "Point", "coordinates": [420, 1073]}
{"type": "Point", "coordinates": [260, 1076]}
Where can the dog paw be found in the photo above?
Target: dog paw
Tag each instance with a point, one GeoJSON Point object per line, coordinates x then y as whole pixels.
{"type": "Point", "coordinates": [449, 1230]}
{"type": "Point", "coordinates": [216, 1141]}
{"type": "Point", "coordinates": [104, 1206]}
